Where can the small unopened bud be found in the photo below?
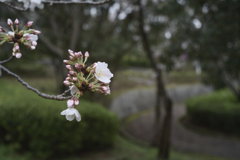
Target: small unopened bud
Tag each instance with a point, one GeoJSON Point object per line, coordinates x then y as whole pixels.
{"type": "Point", "coordinates": [86, 54]}
{"type": "Point", "coordinates": [94, 65]}
{"type": "Point", "coordinates": [71, 58]}
{"type": "Point", "coordinates": [76, 102]}
{"type": "Point", "coordinates": [69, 67]}
{"type": "Point", "coordinates": [77, 66]}
{"type": "Point", "coordinates": [18, 55]}
{"type": "Point", "coordinates": [16, 47]}
{"type": "Point", "coordinates": [9, 22]}
{"type": "Point", "coordinates": [66, 83]}
{"type": "Point", "coordinates": [29, 24]}
{"type": "Point", "coordinates": [66, 61]}
{"type": "Point", "coordinates": [71, 52]}
{"type": "Point", "coordinates": [68, 79]}
{"type": "Point", "coordinates": [74, 79]}
{"type": "Point", "coordinates": [36, 32]}
{"type": "Point", "coordinates": [34, 43]}
{"type": "Point", "coordinates": [33, 47]}
{"type": "Point", "coordinates": [16, 22]}
{"type": "Point", "coordinates": [78, 54]}
{"type": "Point", "coordinates": [72, 73]}
{"type": "Point", "coordinates": [70, 103]}
{"type": "Point", "coordinates": [1, 29]}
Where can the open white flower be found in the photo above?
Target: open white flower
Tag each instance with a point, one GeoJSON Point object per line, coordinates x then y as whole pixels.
{"type": "Point", "coordinates": [102, 73]}
{"type": "Point", "coordinates": [71, 113]}
{"type": "Point", "coordinates": [32, 37]}
{"type": "Point", "coordinates": [73, 89]}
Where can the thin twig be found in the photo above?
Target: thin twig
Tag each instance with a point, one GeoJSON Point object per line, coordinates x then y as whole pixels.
{"type": "Point", "coordinates": [14, 7]}
{"type": "Point", "coordinates": [7, 60]}
{"type": "Point", "coordinates": [72, 2]}
{"type": "Point", "coordinates": [47, 96]}
{"type": "Point", "coordinates": [58, 2]}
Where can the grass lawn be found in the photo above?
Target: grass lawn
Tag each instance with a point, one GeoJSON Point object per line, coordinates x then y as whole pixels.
{"type": "Point", "coordinates": [122, 150]}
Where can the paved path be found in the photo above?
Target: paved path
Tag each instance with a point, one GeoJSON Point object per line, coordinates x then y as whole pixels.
{"type": "Point", "coordinates": [181, 138]}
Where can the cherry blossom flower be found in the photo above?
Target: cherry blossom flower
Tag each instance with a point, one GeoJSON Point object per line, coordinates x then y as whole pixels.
{"type": "Point", "coordinates": [71, 113]}
{"type": "Point", "coordinates": [102, 73]}
{"type": "Point", "coordinates": [73, 89]}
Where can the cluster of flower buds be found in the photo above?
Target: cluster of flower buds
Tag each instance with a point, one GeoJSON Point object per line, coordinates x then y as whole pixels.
{"type": "Point", "coordinates": [26, 36]}
{"type": "Point", "coordinates": [81, 78]}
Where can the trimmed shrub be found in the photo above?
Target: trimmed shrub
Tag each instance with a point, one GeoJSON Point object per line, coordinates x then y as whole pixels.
{"type": "Point", "coordinates": [34, 124]}
{"type": "Point", "coordinates": [219, 111]}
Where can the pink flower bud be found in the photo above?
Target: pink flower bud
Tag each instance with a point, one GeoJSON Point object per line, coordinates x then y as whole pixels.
{"type": "Point", "coordinates": [72, 73]}
{"type": "Point", "coordinates": [29, 24]}
{"type": "Point", "coordinates": [76, 102]}
{"type": "Point", "coordinates": [78, 54]}
{"type": "Point", "coordinates": [71, 52]}
{"type": "Point", "coordinates": [86, 54]}
{"type": "Point", "coordinates": [9, 22]}
{"type": "Point", "coordinates": [68, 79]}
{"type": "Point", "coordinates": [68, 75]}
{"type": "Point", "coordinates": [66, 61]}
{"type": "Point", "coordinates": [33, 31]}
{"type": "Point", "coordinates": [18, 55]}
{"type": "Point", "coordinates": [104, 88]}
{"type": "Point", "coordinates": [70, 103]}
{"type": "Point", "coordinates": [34, 43]}
{"type": "Point", "coordinates": [71, 58]}
{"type": "Point", "coordinates": [77, 66]}
{"type": "Point", "coordinates": [1, 29]}
{"type": "Point", "coordinates": [16, 47]}
{"type": "Point", "coordinates": [94, 65]}
{"type": "Point", "coordinates": [66, 83]}
{"type": "Point", "coordinates": [69, 67]}
{"type": "Point", "coordinates": [27, 38]}
{"type": "Point", "coordinates": [16, 22]}
{"type": "Point", "coordinates": [74, 79]}
{"type": "Point", "coordinates": [33, 47]}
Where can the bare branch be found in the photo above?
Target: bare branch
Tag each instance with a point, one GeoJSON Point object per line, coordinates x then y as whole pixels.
{"type": "Point", "coordinates": [7, 60]}
{"type": "Point", "coordinates": [14, 7]}
{"type": "Point", "coordinates": [58, 2]}
{"type": "Point", "coordinates": [46, 96]}
{"type": "Point", "coordinates": [71, 2]}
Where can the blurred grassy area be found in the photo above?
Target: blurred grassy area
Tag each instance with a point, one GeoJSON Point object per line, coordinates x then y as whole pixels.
{"type": "Point", "coordinates": [122, 150]}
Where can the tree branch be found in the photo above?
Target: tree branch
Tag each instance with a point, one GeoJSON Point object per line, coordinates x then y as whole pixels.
{"type": "Point", "coordinates": [58, 2]}
{"type": "Point", "coordinates": [43, 95]}
{"type": "Point", "coordinates": [7, 60]}
{"type": "Point", "coordinates": [14, 7]}
{"type": "Point", "coordinates": [71, 2]}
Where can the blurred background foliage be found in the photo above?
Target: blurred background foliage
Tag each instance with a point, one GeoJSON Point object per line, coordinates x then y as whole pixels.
{"type": "Point", "coordinates": [205, 33]}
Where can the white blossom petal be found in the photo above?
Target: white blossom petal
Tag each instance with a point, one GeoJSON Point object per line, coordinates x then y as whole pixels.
{"type": "Point", "coordinates": [102, 73]}
{"type": "Point", "coordinates": [71, 113]}
{"type": "Point", "coordinates": [73, 89]}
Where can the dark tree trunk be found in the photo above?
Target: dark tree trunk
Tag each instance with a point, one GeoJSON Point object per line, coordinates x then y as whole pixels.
{"type": "Point", "coordinates": [162, 134]}
{"type": "Point", "coordinates": [165, 132]}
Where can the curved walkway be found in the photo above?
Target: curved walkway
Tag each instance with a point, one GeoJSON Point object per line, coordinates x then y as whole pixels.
{"type": "Point", "coordinates": [181, 138]}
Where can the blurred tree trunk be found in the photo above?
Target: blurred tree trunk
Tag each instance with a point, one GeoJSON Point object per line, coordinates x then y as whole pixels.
{"type": "Point", "coordinates": [162, 134]}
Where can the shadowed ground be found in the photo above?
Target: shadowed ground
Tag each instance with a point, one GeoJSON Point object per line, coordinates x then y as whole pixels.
{"type": "Point", "coordinates": [181, 139]}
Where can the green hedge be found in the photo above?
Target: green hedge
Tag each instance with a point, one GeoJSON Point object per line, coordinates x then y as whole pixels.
{"type": "Point", "coordinates": [34, 124]}
{"type": "Point", "coordinates": [219, 111]}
